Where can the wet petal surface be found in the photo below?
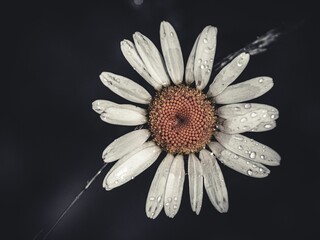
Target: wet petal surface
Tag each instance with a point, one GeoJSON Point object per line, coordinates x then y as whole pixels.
{"type": "Point", "coordinates": [248, 148]}
{"type": "Point", "coordinates": [172, 52]}
{"type": "Point", "coordinates": [214, 182]}
{"type": "Point", "coordinates": [195, 183]}
{"type": "Point", "coordinates": [155, 197]}
{"type": "Point", "coordinates": [245, 91]}
{"type": "Point", "coordinates": [131, 165]}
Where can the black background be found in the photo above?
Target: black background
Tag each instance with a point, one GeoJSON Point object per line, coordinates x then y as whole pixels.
{"type": "Point", "coordinates": [51, 140]}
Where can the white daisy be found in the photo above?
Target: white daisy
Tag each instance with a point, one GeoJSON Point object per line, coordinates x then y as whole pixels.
{"type": "Point", "coordinates": [183, 120]}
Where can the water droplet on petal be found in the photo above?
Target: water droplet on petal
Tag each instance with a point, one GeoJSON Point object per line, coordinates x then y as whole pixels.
{"type": "Point", "coordinates": [254, 114]}
{"type": "Point", "coordinates": [243, 119]}
{"type": "Point", "coordinates": [238, 138]}
{"type": "Point", "coordinates": [261, 80]}
{"type": "Point", "coordinates": [205, 40]}
{"type": "Point", "coordinates": [202, 66]}
{"type": "Point", "coordinates": [171, 34]}
{"type": "Point", "coordinates": [159, 199]}
{"type": "Point", "coordinates": [247, 105]}
{"type": "Point", "coordinates": [240, 62]}
{"type": "Point", "coordinates": [237, 109]}
{"type": "Point", "coordinates": [151, 198]}
{"type": "Point", "coordinates": [240, 147]}
{"type": "Point", "coordinates": [249, 172]}
{"type": "Point", "coordinates": [262, 157]}
{"type": "Point", "coordinates": [169, 199]}
{"type": "Point", "coordinates": [252, 155]}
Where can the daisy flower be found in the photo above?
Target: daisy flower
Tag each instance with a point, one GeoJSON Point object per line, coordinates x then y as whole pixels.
{"type": "Point", "coordinates": [183, 120]}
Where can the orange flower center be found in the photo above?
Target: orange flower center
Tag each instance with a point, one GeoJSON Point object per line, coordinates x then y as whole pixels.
{"type": "Point", "coordinates": [181, 119]}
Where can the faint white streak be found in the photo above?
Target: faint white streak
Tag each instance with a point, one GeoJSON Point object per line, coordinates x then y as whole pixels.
{"type": "Point", "coordinates": [257, 46]}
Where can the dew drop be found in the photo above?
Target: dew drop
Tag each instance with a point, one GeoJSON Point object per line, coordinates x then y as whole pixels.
{"type": "Point", "coordinates": [171, 34]}
{"type": "Point", "coordinates": [240, 147]}
{"type": "Point", "coordinates": [175, 206]}
{"type": "Point", "coordinates": [243, 119]}
{"type": "Point", "coordinates": [252, 155]}
{"type": "Point", "coordinates": [206, 62]}
{"type": "Point", "coordinates": [176, 198]}
{"type": "Point", "coordinates": [151, 198]}
{"type": "Point", "coordinates": [249, 172]}
{"type": "Point", "coordinates": [240, 62]}
{"type": "Point", "coordinates": [254, 114]}
{"type": "Point", "coordinates": [272, 116]}
{"type": "Point", "coordinates": [261, 80]}
{"type": "Point", "coordinates": [238, 138]}
{"type": "Point", "coordinates": [205, 40]}
{"type": "Point", "coordinates": [237, 109]}
{"type": "Point", "coordinates": [248, 162]}
{"type": "Point", "coordinates": [235, 156]}
{"type": "Point", "coordinates": [260, 169]}
{"type": "Point", "coordinates": [169, 199]}
{"type": "Point", "coordinates": [159, 199]}
{"type": "Point", "coordinates": [199, 60]}
{"type": "Point", "coordinates": [262, 157]}
{"type": "Point", "coordinates": [267, 126]}
{"type": "Point", "coordinates": [247, 105]}
{"type": "Point", "coordinates": [202, 66]}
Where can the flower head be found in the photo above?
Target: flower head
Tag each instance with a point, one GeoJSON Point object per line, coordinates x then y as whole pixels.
{"type": "Point", "coordinates": [182, 120]}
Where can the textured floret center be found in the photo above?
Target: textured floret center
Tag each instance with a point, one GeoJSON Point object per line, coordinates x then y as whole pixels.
{"type": "Point", "coordinates": [181, 119]}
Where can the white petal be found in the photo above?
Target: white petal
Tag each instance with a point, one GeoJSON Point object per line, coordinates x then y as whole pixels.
{"type": "Point", "coordinates": [100, 105]}
{"type": "Point", "coordinates": [228, 74]}
{"type": "Point", "coordinates": [245, 91]}
{"type": "Point", "coordinates": [130, 53]}
{"type": "Point", "coordinates": [248, 148]}
{"type": "Point", "coordinates": [244, 123]}
{"type": "Point", "coordinates": [120, 114]}
{"type": "Point", "coordinates": [238, 163]}
{"type": "Point", "coordinates": [190, 64]}
{"type": "Point", "coordinates": [214, 182]}
{"type": "Point", "coordinates": [125, 88]}
{"type": "Point", "coordinates": [240, 109]}
{"type": "Point", "coordinates": [131, 165]}
{"type": "Point", "coordinates": [172, 52]}
{"type": "Point", "coordinates": [195, 183]}
{"type": "Point", "coordinates": [174, 187]}
{"type": "Point", "coordinates": [204, 56]}
{"type": "Point", "coordinates": [151, 58]}
{"type": "Point", "coordinates": [265, 126]}
{"type": "Point", "coordinates": [155, 197]}
{"type": "Point", "coordinates": [125, 144]}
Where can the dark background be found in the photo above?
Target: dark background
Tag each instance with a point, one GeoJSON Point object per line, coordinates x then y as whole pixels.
{"type": "Point", "coordinates": [51, 141]}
